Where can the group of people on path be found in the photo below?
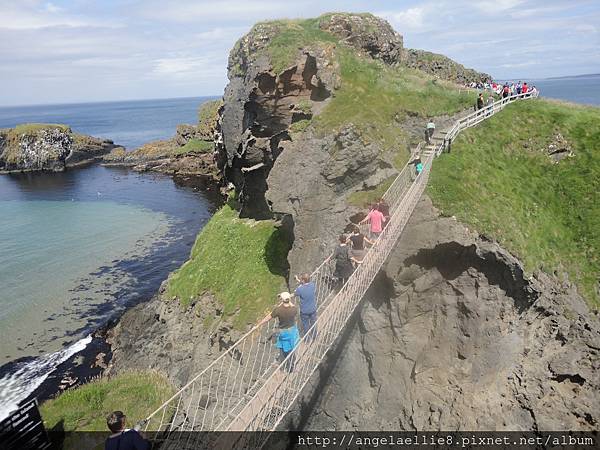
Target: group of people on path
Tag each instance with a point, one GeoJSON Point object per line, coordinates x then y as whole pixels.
{"type": "Point", "coordinates": [348, 254]}
{"type": "Point", "coordinates": [502, 89]}
{"type": "Point", "coordinates": [508, 89]}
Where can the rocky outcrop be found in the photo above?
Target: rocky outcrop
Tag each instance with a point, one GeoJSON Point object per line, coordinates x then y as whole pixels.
{"type": "Point", "coordinates": [166, 156]}
{"type": "Point", "coordinates": [184, 133]}
{"type": "Point", "coordinates": [189, 152]}
{"type": "Point", "coordinates": [35, 147]}
{"type": "Point", "coordinates": [259, 108]}
{"type": "Point", "coordinates": [162, 335]}
{"type": "Point", "coordinates": [442, 67]}
{"type": "Point", "coordinates": [87, 149]}
{"type": "Point", "coordinates": [310, 182]}
{"type": "Point", "coordinates": [453, 335]}
{"type": "Point", "coordinates": [261, 105]}
{"type": "Point", "coordinates": [367, 33]}
{"type": "Point", "coordinates": [559, 149]}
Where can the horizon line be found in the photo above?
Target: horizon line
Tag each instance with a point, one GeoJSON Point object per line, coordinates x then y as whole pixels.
{"type": "Point", "coordinates": [89, 102]}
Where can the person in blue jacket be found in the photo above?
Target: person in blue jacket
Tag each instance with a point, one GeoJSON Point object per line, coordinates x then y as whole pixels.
{"type": "Point", "coordinates": [308, 303]}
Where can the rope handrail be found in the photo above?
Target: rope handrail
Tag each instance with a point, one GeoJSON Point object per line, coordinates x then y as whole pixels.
{"type": "Point", "coordinates": [244, 389]}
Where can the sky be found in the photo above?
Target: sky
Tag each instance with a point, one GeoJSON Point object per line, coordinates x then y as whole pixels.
{"type": "Point", "coordinates": [69, 51]}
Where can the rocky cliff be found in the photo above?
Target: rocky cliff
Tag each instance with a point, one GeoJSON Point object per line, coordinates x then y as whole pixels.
{"type": "Point", "coordinates": [453, 336]}
{"type": "Point", "coordinates": [34, 147]}
{"type": "Point", "coordinates": [273, 145]}
{"type": "Point", "coordinates": [442, 67]}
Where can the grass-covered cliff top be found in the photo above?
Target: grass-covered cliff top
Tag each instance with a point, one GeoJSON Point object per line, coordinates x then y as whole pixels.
{"type": "Point", "coordinates": [12, 135]}
{"type": "Point", "coordinates": [33, 128]}
{"type": "Point", "coordinates": [499, 179]}
{"type": "Point", "coordinates": [373, 95]}
{"type": "Point", "coordinates": [378, 98]}
{"type": "Point", "coordinates": [241, 262]}
{"type": "Point", "coordinates": [10, 138]}
{"type": "Point", "coordinates": [136, 393]}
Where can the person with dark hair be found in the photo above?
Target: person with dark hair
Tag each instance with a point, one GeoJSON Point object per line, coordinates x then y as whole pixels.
{"type": "Point", "coordinates": [525, 88]}
{"type": "Point", "coordinates": [376, 221]}
{"type": "Point", "coordinates": [418, 165]}
{"type": "Point", "coordinates": [123, 438]}
{"type": "Point", "coordinates": [343, 260]}
{"type": "Point", "coordinates": [308, 303]}
{"type": "Point", "coordinates": [429, 131]}
{"type": "Point", "coordinates": [480, 101]}
{"type": "Point", "coordinates": [505, 91]}
{"type": "Point", "coordinates": [358, 240]}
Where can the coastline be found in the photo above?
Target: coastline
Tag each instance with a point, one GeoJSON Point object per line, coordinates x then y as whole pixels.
{"type": "Point", "coordinates": [93, 352]}
{"type": "Point", "coordinates": [75, 165]}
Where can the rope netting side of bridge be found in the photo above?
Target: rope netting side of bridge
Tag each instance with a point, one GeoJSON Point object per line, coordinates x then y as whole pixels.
{"type": "Point", "coordinates": [247, 388]}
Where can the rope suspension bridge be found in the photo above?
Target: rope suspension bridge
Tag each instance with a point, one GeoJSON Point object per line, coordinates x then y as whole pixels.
{"type": "Point", "coordinates": [246, 388]}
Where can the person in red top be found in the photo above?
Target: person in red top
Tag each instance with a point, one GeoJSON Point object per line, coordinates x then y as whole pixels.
{"type": "Point", "coordinates": [525, 88]}
{"type": "Point", "coordinates": [376, 221]}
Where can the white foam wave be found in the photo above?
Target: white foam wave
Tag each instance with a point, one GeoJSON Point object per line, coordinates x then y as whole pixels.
{"type": "Point", "coordinates": [17, 386]}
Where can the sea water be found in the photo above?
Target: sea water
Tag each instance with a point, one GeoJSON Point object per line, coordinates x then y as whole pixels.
{"type": "Point", "coordinates": [127, 123]}
{"type": "Point", "coordinates": [79, 247]}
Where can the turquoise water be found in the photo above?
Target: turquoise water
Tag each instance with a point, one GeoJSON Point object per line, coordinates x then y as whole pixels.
{"type": "Point", "coordinates": [77, 248]}
{"type": "Point", "coordinates": [48, 250]}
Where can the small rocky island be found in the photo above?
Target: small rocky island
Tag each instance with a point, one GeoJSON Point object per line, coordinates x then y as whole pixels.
{"type": "Point", "coordinates": [48, 147]}
{"type": "Point", "coordinates": [189, 152]}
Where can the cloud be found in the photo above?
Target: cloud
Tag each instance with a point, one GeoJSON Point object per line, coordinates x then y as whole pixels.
{"type": "Point", "coordinates": [187, 67]}
{"type": "Point", "coordinates": [186, 11]}
{"type": "Point", "coordinates": [585, 28]}
{"type": "Point", "coordinates": [520, 64]}
{"type": "Point", "coordinates": [54, 50]}
{"type": "Point", "coordinates": [52, 8]}
{"type": "Point", "coordinates": [496, 6]}
{"type": "Point", "coordinates": [35, 15]}
{"type": "Point", "coordinates": [408, 19]}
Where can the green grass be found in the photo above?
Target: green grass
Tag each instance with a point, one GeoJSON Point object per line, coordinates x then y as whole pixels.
{"type": "Point", "coordinates": [30, 128]}
{"type": "Point", "coordinates": [292, 36]}
{"type": "Point", "coordinates": [241, 262]}
{"type": "Point", "coordinates": [376, 98]}
{"type": "Point", "coordinates": [195, 146]}
{"type": "Point", "coordinates": [499, 179]}
{"type": "Point", "coordinates": [363, 199]}
{"type": "Point", "coordinates": [85, 408]}
{"type": "Point", "coordinates": [300, 126]}
{"type": "Point", "coordinates": [208, 114]}
{"type": "Point", "coordinates": [305, 106]}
